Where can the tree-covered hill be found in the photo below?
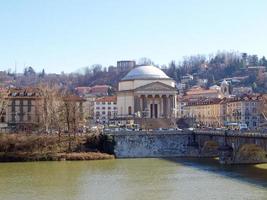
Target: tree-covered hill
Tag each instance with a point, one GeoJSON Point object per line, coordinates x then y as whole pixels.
{"type": "Point", "coordinates": [214, 68]}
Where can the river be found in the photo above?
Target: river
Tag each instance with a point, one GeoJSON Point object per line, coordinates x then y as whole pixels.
{"type": "Point", "coordinates": [132, 179]}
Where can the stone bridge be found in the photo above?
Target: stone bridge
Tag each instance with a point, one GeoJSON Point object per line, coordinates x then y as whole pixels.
{"type": "Point", "coordinates": [230, 147]}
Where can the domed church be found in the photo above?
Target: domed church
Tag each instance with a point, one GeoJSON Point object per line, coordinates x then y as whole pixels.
{"type": "Point", "coordinates": [146, 92]}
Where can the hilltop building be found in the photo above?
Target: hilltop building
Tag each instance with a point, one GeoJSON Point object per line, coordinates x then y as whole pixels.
{"type": "Point", "coordinates": [125, 65]}
{"type": "Point", "coordinates": [215, 91]}
{"type": "Point", "coordinates": [239, 91]}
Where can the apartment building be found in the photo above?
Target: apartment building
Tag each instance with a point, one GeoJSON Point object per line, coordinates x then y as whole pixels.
{"type": "Point", "coordinates": [244, 110]}
{"type": "Point", "coordinates": [205, 112]}
{"type": "Point", "coordinates": [23, 108]}
{"type": "Point", "coordinates": [105, 109]}
{"type": "Point", "coordinates": [215, 112]}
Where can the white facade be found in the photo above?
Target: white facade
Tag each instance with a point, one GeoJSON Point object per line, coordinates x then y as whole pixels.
{"type": "Point", "coordinates": [147, 92]}
{"type": "Point", "coordinates": [105, 109]}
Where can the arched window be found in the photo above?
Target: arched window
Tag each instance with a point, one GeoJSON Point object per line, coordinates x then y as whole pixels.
{"type": "Point", "coordinates": [129, 110]}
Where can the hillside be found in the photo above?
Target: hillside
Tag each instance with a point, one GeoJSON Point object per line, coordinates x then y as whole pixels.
{"type": "Point", "coordinates": [250, 70]}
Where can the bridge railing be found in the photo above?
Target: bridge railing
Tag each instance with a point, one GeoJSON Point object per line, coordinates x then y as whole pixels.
{"type": "Point", "coordinates": [228, 133]}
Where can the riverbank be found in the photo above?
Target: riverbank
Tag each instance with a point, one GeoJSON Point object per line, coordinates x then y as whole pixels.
{"type": "Point", "coordinates": [23, 147]}
{"type": "Point", "coordinates": [26, 156]}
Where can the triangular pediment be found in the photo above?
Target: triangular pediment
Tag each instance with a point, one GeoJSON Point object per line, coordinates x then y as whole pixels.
{"type": "Point", "coordinates": [156, 86]}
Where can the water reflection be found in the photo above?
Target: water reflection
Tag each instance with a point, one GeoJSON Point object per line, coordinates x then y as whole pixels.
{"type": "Point", "coordinates": [255, 174]}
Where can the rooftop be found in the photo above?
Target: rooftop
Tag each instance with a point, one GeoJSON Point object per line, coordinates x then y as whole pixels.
{"type": "Point", "coordinates": [107, 99]}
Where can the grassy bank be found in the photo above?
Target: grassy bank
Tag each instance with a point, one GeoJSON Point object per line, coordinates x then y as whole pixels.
{"type": "Point", "coordinates": [23, 147]}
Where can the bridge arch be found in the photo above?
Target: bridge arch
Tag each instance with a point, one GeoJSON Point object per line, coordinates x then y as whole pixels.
{"type": "Point", "coordinates": [210, 148]}
{"type": "Point", "coordinates": [250, 153]}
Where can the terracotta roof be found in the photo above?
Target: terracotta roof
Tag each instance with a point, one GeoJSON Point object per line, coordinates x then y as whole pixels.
{"type": "Point", "coordinates": [24, 92]}
{"type": "Point", "coordinates": [100, 89]}
{"type": "Point", "coordinates": [73, 98]}
{"type": "Point", "coordinates": [204, 101]}
{"type": "Point", "coordinates": [107, 99]}
{"type": "Point", "coordinates": [245, 97]}
{"type": "Point", "coordinates": [201, 91]}
{"type": "Point", "coordinates": [83, 90]}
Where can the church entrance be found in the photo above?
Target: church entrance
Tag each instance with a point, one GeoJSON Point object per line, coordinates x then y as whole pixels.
{"type": "Point", "coordinates": [156, 110]}
{"type": "Point", "coordinates": [153, 110]}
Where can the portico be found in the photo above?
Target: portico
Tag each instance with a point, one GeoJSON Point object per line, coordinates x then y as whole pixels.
{"type": "Point", "coordinates": [155, 100]}
{"type": "Point", "coordinates": [155, 106]}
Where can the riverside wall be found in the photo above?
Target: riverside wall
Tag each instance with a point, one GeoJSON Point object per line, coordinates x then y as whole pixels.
{"type": "Point", "coordinates": [190, 144]}
{"type": "Point", "coordinates": [167, 144]}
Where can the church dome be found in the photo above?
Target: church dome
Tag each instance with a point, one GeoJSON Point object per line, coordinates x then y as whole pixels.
{"type": "Point", "coordinates": [145, 72]}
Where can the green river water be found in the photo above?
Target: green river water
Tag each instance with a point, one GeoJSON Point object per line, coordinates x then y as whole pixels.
{"type": "Point", "coordinates": [133, 179]}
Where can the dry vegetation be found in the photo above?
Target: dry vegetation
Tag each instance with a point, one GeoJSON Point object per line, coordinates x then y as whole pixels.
{"type": "Point", "coordinates": [23, 147]}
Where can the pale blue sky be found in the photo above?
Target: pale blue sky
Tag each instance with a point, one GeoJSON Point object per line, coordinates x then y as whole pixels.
{"type": "Point", "coordinates": [65, 35]}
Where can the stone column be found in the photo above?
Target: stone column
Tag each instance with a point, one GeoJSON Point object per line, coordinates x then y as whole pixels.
{"type": "Point", "coordinates": [168, 106]}
{"type": "Point", "coordinates": [164, 105]}
{"type": "Point", "coordinates": [141, 103]}
{"type": "Point", "coordinates": [153, 107]}
{"type": "Point", "coordinates": [171, 105]}
{"type": "Point", "coordinates": [175, 105]}
{"type": "Point", "coordinates": [136, 107]}
{"type": "Point", "coordinates": [160, 106]}
{"type": "Point", "coordinates": [145, 108]}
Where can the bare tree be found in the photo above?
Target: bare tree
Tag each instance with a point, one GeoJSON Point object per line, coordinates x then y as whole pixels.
{"type": "Point", "coordinates": [3, 104]}
{"type": "Point", "coordinates": [264, 107]}
{"type": "Point", "coordinates": [52, 109]}
{"type": "Point", "coordinates": [73, 115]}
{"type": "Point", "coordinates": [145, 61]}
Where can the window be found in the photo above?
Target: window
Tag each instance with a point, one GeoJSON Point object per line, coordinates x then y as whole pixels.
{"type": "Point", "coordinates": [103, 108]}
{"type": "Point", "coordinates": [29, 105]}
{"type": "Point", "coordinates": [103, 113]}
{"type": "Point", "coordinates": [129, 110]}
{"type": "Point", "coordinates": [97, 103]}
{"type": "Point", "coordinates": [13, 117]}
{"type": "Point", "coordinates": [109, 103]}
{"type": "Point", "coordinates": [103, 103]}
{"type": "Point", "coordinates": [109, 108]}
{"type": "Point", "coordinates": [97, 108]}
{"type": "Point", "coordinates": [13, 107]}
